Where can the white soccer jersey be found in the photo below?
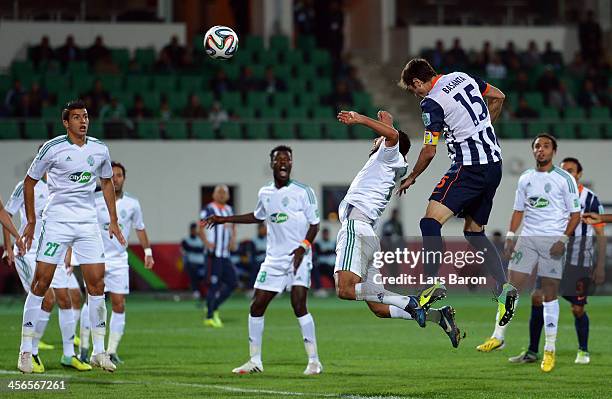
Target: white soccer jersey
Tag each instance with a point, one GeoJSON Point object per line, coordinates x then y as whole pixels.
{"type": "Point", "coordinates": [372, 188]}
{"type": "Point", "coordinates": [547, 199]}
{"type": "Point", "coordinates": [455, 107]}
{"type": "Point", "coordinates": [129, 214]}
{"type": "Point", "coordinates": [71, 176]}
{"type": "Point", "coordinates": [288, 211]}
{"type": "Point", "coordinates": [580, 252]}
{"type": "Point", "coordinates": [16, 204]}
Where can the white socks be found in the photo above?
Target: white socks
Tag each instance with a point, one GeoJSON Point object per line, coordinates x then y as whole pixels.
{"type": "Point", "coordinates": [308, 333]}
{"type": "Point", "coordinates": [397, 313]}
{"type": "Point", "coordinates": [85, 328]}
{"type": "Point", "coordinates": [256, 327]}
{"type": "Point", "coordinates": [117, 326]}
{"type": "Point", "coordinates": [76, 313]}
{"type": "Point", "coordinates": [375, 293]}
{"type": "Point", "coordinates": [31, 312]}
{"type": "Point", "coordinates": [500, 331]}
{"type": "Point", "coordinates": [39, 330]}
{"type": "Point", "coordinates": [68, 328]}
{"type": "Point", "coordinates": [551, 321]}
{"type": "Point", "coordinates": [97, 318]}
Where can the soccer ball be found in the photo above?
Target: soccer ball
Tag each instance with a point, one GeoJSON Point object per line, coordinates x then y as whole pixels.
{"type": "Point", "coordinates": [221, 42]}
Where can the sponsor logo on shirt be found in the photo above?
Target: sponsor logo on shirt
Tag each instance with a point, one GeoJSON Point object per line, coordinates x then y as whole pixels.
{"type": "Point", "coordinates": [538, 202]}
{"type": "Point", "coordinates": [547, 187]}
{"type": "Point", "coordinates": [426, 118]}
{"type": "Point", "coordinates": [90, 160]}
{"type": "Point", "coordinates": [80, 177]}
{"type": "Point", "coordinates": [279, 217]}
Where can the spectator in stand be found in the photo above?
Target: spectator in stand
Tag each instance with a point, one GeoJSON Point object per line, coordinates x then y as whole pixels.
{"type": "Point", "coordinates": [43, 53]}
{"type": "Point", "coordinates": [113, 111]}
{"type": "Point", "coordinates": [561, 98]}
{"type": "Point", "coordinates": [69, 52]}
{"type": "Point", "coordinates": [37, 97]}
{"type": "Point", "coordinates": [220, 83]}
{"type": "Point", "coordinates": [588, 97]}
{"type": "Point", "coordinates": [341, 98]}
{"type": "Point", "coordinates": [304, 17]}
{"type": "Point", "coordinates": [164, 112]}
{"type": "Point", "coordinates": [98, 96]}
{"type": "Point", "coordinates": [324, 257]}
{"type": "Point", "coordinates": [437, 55]}
{"type": "Point", "coordinates": [164, 63]}
{"type": "Point", "coordinates": [139, 111]}
{"type": "Point", "coordinates": [106, 66]}
{"type": "Point", "coordinates": [552, 57]}
{"type": "Point", "coordinates": [194, 109]}
{"type": "Point", "coordinates": [547, 83]}
{"type": "Point", "coordinates": [496, 69]}
{"type": "Point", "coordinates": [192, 249]}
{"type": "Point", "coordinates": [510, 57]}
{"type": "Point", "coordinates": [175, 52]}
{"type": "Point", "coordinates": [577, 68]}
{"type": "Point", "coordinates": [134, 68]}
{"type": "Point", "coordinates": [12, 100]}
{"type": "Point", "coordinates": [524, 111]}
{"type": "Point", "coordinates": [485, 56]}
{"type": "Point", "coordinates": [97, 51]}
{"type": "Point", "coordinates": [531, 57]}
{"type": "Point", "coordinates": [272, 84]}
{"type": "Point", "coordinates": [590, 38]}
{"type": "Point", "coordinates": [217, 115]}
{"type": "Point", "coordinates": [393, 227]}
{"type": "Point", "coordinates": [352, 80]}
{"type": "Point", "coordinates": [521, 84]}
{"type": "Point", "coordinates": [455, 58]}
{"type": "Point", "coordinates": [247, 81]}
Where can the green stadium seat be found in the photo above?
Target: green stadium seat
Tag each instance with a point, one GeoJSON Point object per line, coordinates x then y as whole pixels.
{"type": "Point", "coordinates": [82, 83]}
{"type": "Point", "coordinates": [512, 130]}
{"type": "Point", "coordinates": [308, 72]}
{"type": "Point", "coordinates": [362, 101]}
{"type": "Point", "coordinates": [320, 57]}
{"type": "Point", "coordinates": [51, 112]}
{"type": "Point", "coordinates": [164, 83]}
{"type": "Point", "coordinates": [294, 58]}
{"type": "Point", "coordinates": [65, 96]}
{"type": "Point", "coordinates": [279, 42]}
{"type": "Point", "coordinates": [607, 130]}
{"type": "Point", "coordinates": [564, 130]}
{"type": "Point", "coordinates": [297, 85]}
{"type": "Point", "coordinates": [270, 112]}
{"type": "Point", "coordinates": [243, 57]}
{"type": "Point", "coordinates": [282, 99]}
{"type": "Point", "coordinates": [534, 99]}
{"type": "Point", "coordinates": [244, 112]}
{"type": "Point", "coordinates": [121, 56]}
{"type": "Point", "coordinates": [311, 131]}
{"type": "Point", "coordinates": [296, 112]}
{"type": "Point", "coordinates": [191, 83]}
{"type": "Point", "coordinates": [152, 100]}
{"type": "Point", "coordinates": [362, 133]}
{"type": "Point", "coordinates": [178, 100]}
{"type": "Point", "coordinates": [230, 130]}
{"type": "Point", "coordinates": [589, 130]}
{"type": "Point", "coordinates": [306, 99]}
{"type": "Point", "coordinates": [139, 84]}
{"type": "Point", "coordinates": [284, 130]}
{"type": "Point", "coordinates": [535, 128]}
{"type": "Point", "coordinates": [77, 67]}
{"type": "Point", "coordinates": [145, 56]}
{"type": "Point", "coordinates": [283, 72]}
{"type": "Point", "coordinates": [111, 83]}
{"type": "Point", "coordinates": [57, 127]}
{"type": "Point", "coordinates": [322, 87]}
{"type": "Point", "coordinates": [600, 113]}
{"type": "Point", "coordinates": [257, 99]}
{"type": "Point", "coordinates": [207, 98]}
{"type": "Point", "coordinates": [148, 130]}
{"type": "Point", "coordinates": [36, 129]}
{"type": "Point", "coordinates": [202, 130]}
{"type": "Point", "coordinates": [574, 113]}
{"type": "Point", "coordinates": [28, 79]}
{"type": "Point", "coordinates": [322, 112]}
{"type": "Point", "coordinates": [126, 98]}
{"type": "Point", "coordinates": [306, 42]}
{"type": "Point", "coordinates": [176, 129]}
{"type": "Point", "coordinates": [20, 68]}
{"type": "Point", "coordinates": [96, 129]}
{"type": "Point", "coordinates": [549, 113]}
{"type": "Point", "coordinates": [269, 57]}
{"type": "Point", "coordinates": [198, 43]}
{"type": "Point", "coordinates": [9, 129]}
{"type": "Point", "coordinates": [258, 71]}
{"type": "Point", "coordinates": [55, 83]}
{"type": "Point", "coordinates": [231, 99]}
{"type": "Point", "coordinates": [511, 100]}
{"type": "Point", "coordinates": [232, 70]}
{"type": "Point", "coordinates": [6, 81]}
{"type": "Point", "coordinates": [337, 131]}
{"type": "Point", "coordinates": [257, 130]}
{"type": "Point", "coordinates": [254, 43]}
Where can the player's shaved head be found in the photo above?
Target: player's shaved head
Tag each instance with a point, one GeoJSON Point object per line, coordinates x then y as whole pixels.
{"type": "Point", "coordinates": [221, 193]}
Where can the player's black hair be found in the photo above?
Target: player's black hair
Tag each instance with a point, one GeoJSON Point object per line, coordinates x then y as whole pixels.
{"type": "Point", "coordinates": [574, 160]}
{"type": "Point", "coordinates": [404, 143]}
{"type": "Point", "coordinates": [548, 136]}
{"type": "Point", "coordinates": [416, 68]}
{"type": "Point", "coordinates": [280, 148]}
{"type": "Point", "coordinates": [192, 225]}
{"type": "Point", "coordinates": [118, 165]}
{"type": "Point", "coordinates": [70, 105]}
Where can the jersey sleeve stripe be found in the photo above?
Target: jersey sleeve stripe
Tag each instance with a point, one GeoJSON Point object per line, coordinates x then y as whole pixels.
{"type": "Point", "coordinates": [570, 184]}
{"type": "Point", "coordinates": [18, 190]}
{"type": "Point", "coordinates": [46, 149]}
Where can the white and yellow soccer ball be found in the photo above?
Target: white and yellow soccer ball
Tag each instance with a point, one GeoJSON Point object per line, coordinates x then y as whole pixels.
{"type": "Point", "coordinates": [221, 42]}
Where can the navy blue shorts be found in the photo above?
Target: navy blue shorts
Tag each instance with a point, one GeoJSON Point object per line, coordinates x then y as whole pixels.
{"type": "Point", "coordinates": [576, 284]}
{"type": "Point", "coordinates": [468, 190]}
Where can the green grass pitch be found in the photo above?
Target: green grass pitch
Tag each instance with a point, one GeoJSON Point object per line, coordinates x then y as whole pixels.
{"type": "Point", "coordinates": [168, 353]}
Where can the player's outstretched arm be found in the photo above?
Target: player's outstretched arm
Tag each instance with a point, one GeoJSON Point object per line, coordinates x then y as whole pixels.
{"type": "Point", "coordinates": [495, 100]}
{"type": "Point", "coordinates": [247, 218]}
{"type": "Point", "coordinates": [108, 190]}
{"type": "Point", "coordinates": [427, 154]}
{"type": "Point", "coordinates": [596, 218]}
{"type": "Point", "coordinates": [380, 127]}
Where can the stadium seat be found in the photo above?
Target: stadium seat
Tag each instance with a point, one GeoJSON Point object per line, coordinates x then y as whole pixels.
{"type": "Point", "coordinates": [257, 99]}
{"type": "Point", "coordinates": [232, 71]}
{"type": "Point", "coordinates": [28, 79]}
{"type": "Point", "coordinates": [198, 43]}
{"type": "Point", "coordinates": [564, 130]}
{"type": "Point", "coordinates": [306, 99]}
{"type": "Point", "coordinates": [284, 130]}
{"type": "Point", "coordinates": [296, 85]}
{"type": "Point", "coordinates": [294, 58]}
{"type": "Point", "coordinates": [535, 128]}
{"type": "Point", "coordinates": [176, 129]}
{"type": "Point", "coordinates": [65, 96]}
{"type": "Point", "coordinates": [36, 129]}
{"type": "Point", "coordinates": [257, 130]}
{"type": "Point", "coordinates": [126, 98]}
{"type": "Point", "coordinates": [148, 130]}
{"type": "Point", "coordinates": [282, 72]}
{"type": "Point", "coordinates": [51, 112]}
{"type": "Point", "coordinates": [254, 43]}
{"type": "Point", "coordinates": [121, 56]}
{"type": "Point", "coordinates": [20, 68]}
{"type": "Point", "coordinates": [512, 130]}
{"type": "Point", "coordinates": [534, 99]}
{"type": "Point", "coordinates": [589, 130]}
{"type": "Point", "coordinates": [362, 133]}
{"type": "Point", "coordinates": [279, 42]}
{"type": "Point", "coordinates": [268, 57]}
{"type": "Point", "coordinates": [152, 100]}
{"type": "Point", "coordinates": [607, 131]}
{"type": "Point", "coordinates": [202, 130]}
{"type": "Point", "coordinates": [178, 100]}
{"type": "Point", "coordinates": [258, 71]}
{"type": "Point", "coordinates": [145, 57]}
{"type": "Point", "coordinates": [574, 113]}
{"type": "Point", "coordinates": [230, 130]}
{"type": "Point", "coordinates": [55, 83]}
{"type": "Point", "coordinates": [9, 129]}
{"type": "Point", "coordinates": [77, 67]}
{"type": "Point", "coordinates": [282, 99]}
{"type": "Point", "coordinates": [244, 112]}
{"type": "Point", "coordinates": [82, 83]}
{"type": "Point", "coordinates": [57, 126]}
{"type": "Point", "coordinates": [308, 72]}
{"type": "Point", "coordinates": [164, 83]}
{"type": "Point", "coordinates": [111, 83]}
{"type": "Point", "coordinates": [96, 129]}
{"type": "Point", "coordinates": [139, 84]}
{"type": "Point", "coordinates": [296, 112]}
{"type": "Point", "coordinates": [270, 112]}
{"type": "Point", "coordinates": [6, 81]}
{"type": "Point", "coordinates": [207, 98]}
{"type": "Point", "coordinates": [600, 113]}
{"type": "Point", "coordinates": [190, 83]}
{"type": "Point", "coordinates": [337, 131]}
{"type": "Point", "coordinates": [310, 131]}
{"type": "Point", "coordinates": [306, 42]}
{"type": "Point", "coordinates": [322, 87]}
{"type": "Point", "coordinates": [320, 57]}
{"type": "Point", "coordinates": [231, 99]}
{"type": "Point", "coordinates": [549, 113]}
{"type": "Point", "coordinates": [361, 101]}
{"type": "Point", "coordinates": [322, 112]}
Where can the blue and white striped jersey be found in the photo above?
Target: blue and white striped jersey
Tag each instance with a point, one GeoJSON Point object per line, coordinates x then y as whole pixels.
{"type": "Point", "coordinates": [455, 108]}
{"type": "Point", "coordinates": [580, 249]}
{"type": "Point", "coordinates": [221, 234]}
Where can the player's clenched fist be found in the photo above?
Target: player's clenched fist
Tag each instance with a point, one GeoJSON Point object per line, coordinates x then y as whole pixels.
{"type": "Point", "coordinates": [211, 221]}
{"type": "Point", "coordinates": [349, 117]}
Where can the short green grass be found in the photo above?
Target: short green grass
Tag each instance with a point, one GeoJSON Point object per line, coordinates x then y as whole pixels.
{"type": "Point", "coordinates": [168, 353]}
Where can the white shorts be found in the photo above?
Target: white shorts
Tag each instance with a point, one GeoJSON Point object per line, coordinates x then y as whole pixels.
{"type": "Point", "coordinates": [532, 251]}
{"type": "Point", "coordinates": [276, 277]}
{"type": "Point", "coordinates": [355, 247]}
{"type": "Point", "coordinates": [26, 266]}
{"type": "Point", "coordinates": [84, 238]}
{"type": "Point", "coordinates": [117, 279]}
{"type": "Point", "coordinates": [61, 279]}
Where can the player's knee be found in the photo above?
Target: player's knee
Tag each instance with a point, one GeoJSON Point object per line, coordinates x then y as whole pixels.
{"type": "Point", "coordinates": [96, 288]}
{"type": "Point", "coordinates": [578, 310]}
{"type": "Point", "coordinates": [536, 300]}
{"type": "Point", "coordinates": [299, 309]}
{"type": "Point", "coordinates": [345, 291]}
{"type": "Point", "coordinates": [40, 286]}
{"type": "Point", "coordinates": [257, 308]}
{"type": "Point", "coordinates": [63, 302]}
